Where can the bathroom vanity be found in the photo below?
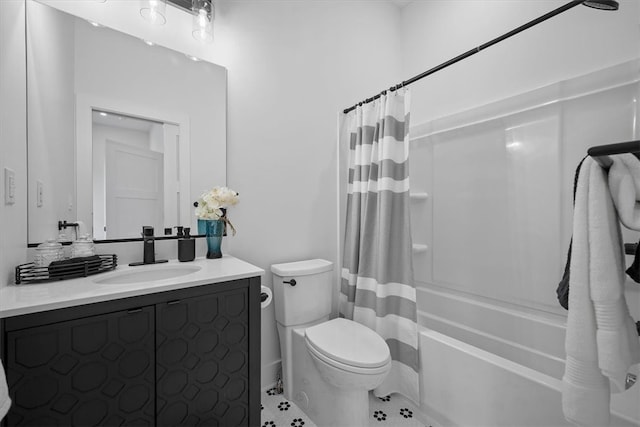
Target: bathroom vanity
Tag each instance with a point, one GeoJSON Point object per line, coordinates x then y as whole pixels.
{"type": "Point", "coordinates": [177, 344]}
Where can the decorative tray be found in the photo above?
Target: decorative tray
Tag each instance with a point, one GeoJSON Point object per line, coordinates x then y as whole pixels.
{"type": "Point", "coordinates": [67, 269]}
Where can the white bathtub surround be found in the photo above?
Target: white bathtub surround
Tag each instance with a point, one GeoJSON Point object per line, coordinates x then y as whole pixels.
{"type": "Point", "coordinates": [5, 401]}
{"type": "Point", "coordinates": [377, 286]}
{"type": "Point", "coordinates": [488, 279]}
{"type": "Point", "coordinates": [601, 341]}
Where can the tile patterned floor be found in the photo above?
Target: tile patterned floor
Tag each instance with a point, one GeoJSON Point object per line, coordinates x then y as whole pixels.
{"type": "Point", "coordinates": [388, 411]}
{"type": "Point", "coordinates": [279, 412]}
{"type": "Point", "coordinates": [393, 410]}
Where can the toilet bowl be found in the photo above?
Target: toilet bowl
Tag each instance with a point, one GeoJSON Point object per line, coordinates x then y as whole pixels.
{"type": "Point", "coordinates": [348, 354]}
{"type": "Point", "coordinates": [328, 366]}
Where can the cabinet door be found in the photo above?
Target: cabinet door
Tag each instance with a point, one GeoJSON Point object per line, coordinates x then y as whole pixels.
{"type": "Point", "coordinates": [97, 370]}
{"type": "Point", "coordinates": [203, 360]}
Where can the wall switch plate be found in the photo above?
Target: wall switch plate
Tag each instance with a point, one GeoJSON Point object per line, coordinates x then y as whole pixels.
{"type": "Point", "coordinates": [39, 193]}
{"type": "Point", "coordinates": [9, 186]}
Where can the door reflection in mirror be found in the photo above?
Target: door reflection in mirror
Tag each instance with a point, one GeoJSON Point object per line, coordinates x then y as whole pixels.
{"type": "Point", "coordinates": [135, 171]}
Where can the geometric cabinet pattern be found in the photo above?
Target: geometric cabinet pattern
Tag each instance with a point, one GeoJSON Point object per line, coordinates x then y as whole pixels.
{"type": "Point", "coordinates": [202, 360]}
{"type": "Point", "coordinates": [93, 371]}
{"type": "Point", "coordinates": [185, 357]}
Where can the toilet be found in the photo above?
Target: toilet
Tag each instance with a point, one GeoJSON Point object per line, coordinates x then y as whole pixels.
{"type": "Point", "coordinates": [328, 366]}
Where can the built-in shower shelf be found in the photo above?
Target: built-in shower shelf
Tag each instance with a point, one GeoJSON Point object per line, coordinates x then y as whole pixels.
{"type": "Point", "coordinates": [418, 196]}
{"type": "Point", "coordinates": [420, 248]}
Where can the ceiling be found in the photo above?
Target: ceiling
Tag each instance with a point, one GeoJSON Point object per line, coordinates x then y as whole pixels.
{"type": "Point", "coordinates": [401, 3]}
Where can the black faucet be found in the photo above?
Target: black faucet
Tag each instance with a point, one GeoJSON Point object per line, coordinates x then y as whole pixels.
{"type": "Point", "coordinates": [149, 248]}
{"type": "Point", "coordinates": [149, 245]}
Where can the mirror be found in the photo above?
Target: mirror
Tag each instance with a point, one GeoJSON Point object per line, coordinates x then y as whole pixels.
{"type": "Point", "coordinates": [121, 134]}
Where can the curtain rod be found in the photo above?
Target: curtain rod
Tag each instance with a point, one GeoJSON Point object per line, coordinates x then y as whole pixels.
{"type": "Point", "coordinates": [473, 51]}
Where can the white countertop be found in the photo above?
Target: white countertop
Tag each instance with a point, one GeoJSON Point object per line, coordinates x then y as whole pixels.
{"type": "Point", "coordinates": [32, 298]}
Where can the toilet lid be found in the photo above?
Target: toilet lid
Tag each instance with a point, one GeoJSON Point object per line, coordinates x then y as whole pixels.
{"type": "Point", "coordinates": [349, 342]}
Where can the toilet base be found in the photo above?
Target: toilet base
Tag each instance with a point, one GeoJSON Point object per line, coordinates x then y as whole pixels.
{"type": "Point", "coordinates": [324, 404]}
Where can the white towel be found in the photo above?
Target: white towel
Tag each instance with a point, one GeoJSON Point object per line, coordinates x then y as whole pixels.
{"type": "Point", "coordinates": [618, 342]}
{"type": "Point", "coordinates": [599, 346]}
{"type": "Point", "coordinates": [5, 402]}
{"type": "Point", "coordinates": [624, 185]}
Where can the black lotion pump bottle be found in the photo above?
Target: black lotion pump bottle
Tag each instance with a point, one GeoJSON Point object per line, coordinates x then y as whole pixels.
{"type": "Point", "coordinates": [186, 246]}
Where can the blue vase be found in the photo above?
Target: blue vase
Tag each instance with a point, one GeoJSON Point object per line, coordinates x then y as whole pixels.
{"type": "Point", "coordinates": [214, 230]}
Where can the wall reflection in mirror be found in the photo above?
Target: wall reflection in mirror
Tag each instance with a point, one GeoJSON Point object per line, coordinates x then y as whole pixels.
{"type": "Point", "coordinates": [120, 134]}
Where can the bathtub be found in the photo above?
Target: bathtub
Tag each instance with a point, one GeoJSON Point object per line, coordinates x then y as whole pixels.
{"type": "Point", "coordinates": [495, 365]}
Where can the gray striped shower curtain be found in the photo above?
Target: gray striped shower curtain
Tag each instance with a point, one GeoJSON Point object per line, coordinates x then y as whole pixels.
{"type": "Point", "coordinates": [377, 286]}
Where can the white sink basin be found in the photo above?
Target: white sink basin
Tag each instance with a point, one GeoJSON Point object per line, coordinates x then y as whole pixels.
{"type": "Point", "coordinates": [147, 274]}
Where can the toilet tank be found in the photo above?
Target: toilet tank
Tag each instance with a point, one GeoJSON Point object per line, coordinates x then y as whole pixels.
{"type": "Point", "coordinates": [310, 298]}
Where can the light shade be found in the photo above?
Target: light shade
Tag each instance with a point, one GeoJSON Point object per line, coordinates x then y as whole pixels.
{"type": "Point", "coordinates": [154, 11]}
{"type": "Point", "coordinates": [203, 15]}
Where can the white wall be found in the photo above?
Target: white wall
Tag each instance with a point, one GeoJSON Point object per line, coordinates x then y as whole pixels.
{"type": "Point", "coordinates": [292, 66]}
{"type": "Point", "coordinates": [573, 43]}
{"type": "Point", "coordinates": [13, 127]}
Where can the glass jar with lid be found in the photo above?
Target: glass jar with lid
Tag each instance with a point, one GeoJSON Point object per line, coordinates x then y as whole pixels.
{"type": "Point", "coordinates": [48, 252]}
{"type": "Point", "coordinates": [82, 247]}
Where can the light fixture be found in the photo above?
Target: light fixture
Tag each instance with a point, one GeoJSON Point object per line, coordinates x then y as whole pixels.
{"type": "Point", "coordinates": [154, 11]}
{"type": "Point", "coordinates": [203, 16]}
{"type": "Point", "coordinates": [94, 23]}
{"type": "Point", "coordinates": [149, 42]}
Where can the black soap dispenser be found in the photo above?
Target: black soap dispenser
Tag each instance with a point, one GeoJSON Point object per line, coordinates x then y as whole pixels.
{"type": "Point", "coordinates": [186, 245]}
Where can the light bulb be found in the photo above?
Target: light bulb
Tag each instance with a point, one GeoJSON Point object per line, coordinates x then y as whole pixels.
{"type": "Point", "coordinates": [202, 28]}
{"type": "Point", "coordinates": [154, 11]}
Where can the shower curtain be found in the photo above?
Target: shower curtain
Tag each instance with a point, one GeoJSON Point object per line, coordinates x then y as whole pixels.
{"type": "Point", "coordinates": [377, 286]}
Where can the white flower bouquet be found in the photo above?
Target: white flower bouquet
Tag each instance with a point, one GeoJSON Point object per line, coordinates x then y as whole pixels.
{"type": "Point", "coordinates": [214, 203]}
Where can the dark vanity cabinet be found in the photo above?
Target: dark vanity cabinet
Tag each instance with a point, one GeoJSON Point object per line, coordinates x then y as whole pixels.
{"type": "Point", "coordinates": [90, 371]}
{"type": "Point", "coordinates": [184, 357]}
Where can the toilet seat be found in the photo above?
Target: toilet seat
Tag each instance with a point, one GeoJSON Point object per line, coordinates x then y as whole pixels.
{"type": "Point", "coordinates": [349, 346]}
